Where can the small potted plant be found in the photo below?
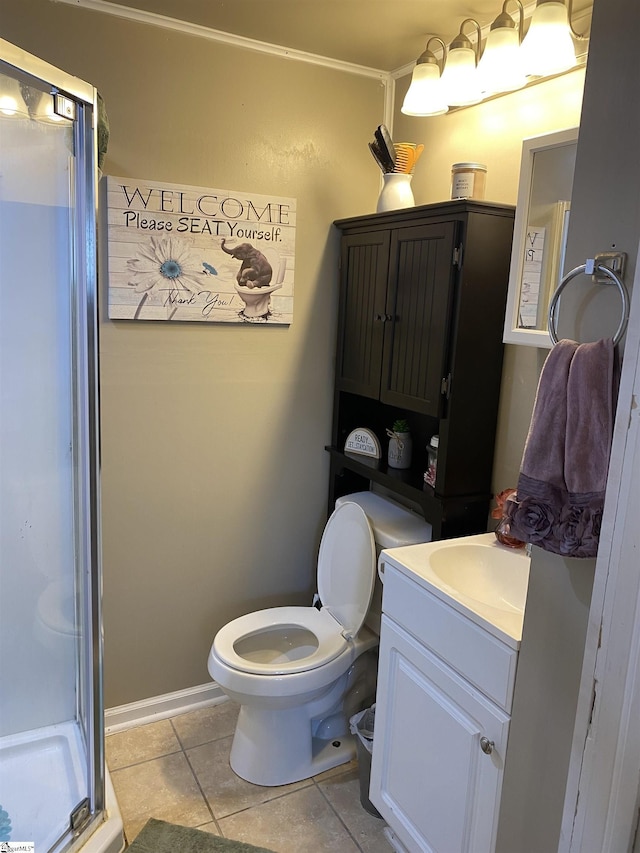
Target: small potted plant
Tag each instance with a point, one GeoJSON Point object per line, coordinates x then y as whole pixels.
{"type": "Point", "coordinates": [399, 455]}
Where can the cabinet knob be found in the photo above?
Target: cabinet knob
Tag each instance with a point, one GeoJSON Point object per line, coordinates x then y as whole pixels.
{"type": "Point", "coordinates": [486, 745]}
{"type": "Point", "coordinates": [383, 318]}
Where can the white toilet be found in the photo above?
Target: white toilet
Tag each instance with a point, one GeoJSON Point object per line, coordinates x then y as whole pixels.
{"type": "Point", "coordinates": [299, 673]}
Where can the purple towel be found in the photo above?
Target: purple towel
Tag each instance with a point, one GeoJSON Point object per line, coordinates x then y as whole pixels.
{"type": "Point", "coordinates": [564, 468]}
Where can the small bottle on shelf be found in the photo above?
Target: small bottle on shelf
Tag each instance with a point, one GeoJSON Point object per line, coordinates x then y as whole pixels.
{"type": "Point", "coordinates": [432, 461]}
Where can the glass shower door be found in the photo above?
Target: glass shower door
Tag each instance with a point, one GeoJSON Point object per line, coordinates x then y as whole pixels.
{"type": "Point", "coordinates": [51, 729]}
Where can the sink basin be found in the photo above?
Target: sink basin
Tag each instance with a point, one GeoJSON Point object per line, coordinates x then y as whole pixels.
{"type": "Point", "coordinates": [476, 575]}
{"type": "Point", "coordinates": [492, 576]}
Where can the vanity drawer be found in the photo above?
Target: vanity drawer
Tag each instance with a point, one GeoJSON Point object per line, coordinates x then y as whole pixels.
{"type": "Point", "coordinates": [487, 663]}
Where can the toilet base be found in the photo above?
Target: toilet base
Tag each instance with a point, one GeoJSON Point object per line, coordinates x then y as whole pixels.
{"type": "Point", "coordinates": [283, 739]}
{"type": "Point", "coordinates": [277, 746]}
{"type": "Point", "coordinates": [269, 764]}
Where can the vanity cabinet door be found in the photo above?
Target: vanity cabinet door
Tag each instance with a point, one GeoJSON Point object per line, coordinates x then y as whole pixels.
{"type": "Point", "coordinates": [430, 778]}
{"type": "Point", "coordinates": [364, 261]}
{"type": "Point", "coordinates": [419, 302]}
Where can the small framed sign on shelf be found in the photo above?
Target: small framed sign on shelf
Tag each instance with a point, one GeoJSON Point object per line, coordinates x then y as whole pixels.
{"type": "Point", "coordinates": [363, 442]}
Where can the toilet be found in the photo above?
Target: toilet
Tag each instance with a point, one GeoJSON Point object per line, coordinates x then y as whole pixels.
{"type": "Point", "coordinates": [299, 673]}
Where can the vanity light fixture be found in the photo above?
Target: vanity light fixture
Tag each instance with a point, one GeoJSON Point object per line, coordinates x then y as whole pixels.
{"type": "Point", "coordinates": [460, 76]}
{"type": "Point", "coordinates": [501, 68]}
{"type": "Point", "coordinates": [508, 62]}
{"type": "Point", "coordinates": [425, 95]}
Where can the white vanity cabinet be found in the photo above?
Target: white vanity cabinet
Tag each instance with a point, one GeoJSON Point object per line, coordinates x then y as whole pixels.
{"type": "Point", "coordinates": [445, 688]}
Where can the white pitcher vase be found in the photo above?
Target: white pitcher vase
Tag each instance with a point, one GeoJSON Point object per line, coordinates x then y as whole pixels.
{"type": "Point", "coordinates": [396, 192]}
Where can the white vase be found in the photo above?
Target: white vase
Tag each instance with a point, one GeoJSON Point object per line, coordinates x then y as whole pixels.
{"type": "Point", "coordinates": [400, 447]}
{"type": "Point", "coordinates": [396, 192]}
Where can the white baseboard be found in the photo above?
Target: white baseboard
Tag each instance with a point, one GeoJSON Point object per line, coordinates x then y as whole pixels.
{"type": "Point", "coordinates": [156, 708]}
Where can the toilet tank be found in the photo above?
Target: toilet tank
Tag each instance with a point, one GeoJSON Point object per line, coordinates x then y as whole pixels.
{"type": "Point", "coordinates": [393, 525]}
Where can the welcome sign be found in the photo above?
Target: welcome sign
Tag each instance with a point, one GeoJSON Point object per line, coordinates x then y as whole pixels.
{"type": "Point", "coordinates": [195, 254]}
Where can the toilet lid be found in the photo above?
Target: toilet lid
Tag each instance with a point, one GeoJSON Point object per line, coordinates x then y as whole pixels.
{"type": "Point", "coordinates": [347, 566]}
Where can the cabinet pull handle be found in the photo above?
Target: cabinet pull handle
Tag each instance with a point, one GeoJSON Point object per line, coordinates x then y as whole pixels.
{"type": "Point", "coordinates": [486, 745]}
{"type": "Point", "coordinates": [383, 318]}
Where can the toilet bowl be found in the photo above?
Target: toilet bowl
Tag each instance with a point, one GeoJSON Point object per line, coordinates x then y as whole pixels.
{"type": "Point", "coordinates": [299, 673]}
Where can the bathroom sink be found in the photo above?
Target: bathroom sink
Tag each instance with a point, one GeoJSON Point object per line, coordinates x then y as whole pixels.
{"type": "Point", "coordinates": [492, 576]}
{"type": "Point", "coordinates": [479, 577]}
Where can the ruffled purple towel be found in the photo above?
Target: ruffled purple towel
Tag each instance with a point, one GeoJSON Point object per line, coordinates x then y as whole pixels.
{"type": "Point", "coordinates": [564, 468]}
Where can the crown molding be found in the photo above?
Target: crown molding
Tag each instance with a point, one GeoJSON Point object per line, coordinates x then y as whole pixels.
{"type": "Point", "coordinates": [163, 21]}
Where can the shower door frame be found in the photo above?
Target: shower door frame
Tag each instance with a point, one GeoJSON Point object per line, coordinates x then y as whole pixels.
{"type": "Point", "coordinates": [83, 256]}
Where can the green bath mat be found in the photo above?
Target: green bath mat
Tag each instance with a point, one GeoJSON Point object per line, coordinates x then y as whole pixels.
{"type": "Point", "coordinates": [156, 836]}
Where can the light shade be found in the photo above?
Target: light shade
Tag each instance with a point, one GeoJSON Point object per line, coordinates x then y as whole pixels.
{"type": "Point", "coordinates": [460, 75]}
{"type": "Point", "coordinates": [548, 46]}
{"type": "Point", "coordinates": [460, 78]}
{"type": "Point", "coordinates": [424, 95]}
{"type": "Point", "coordinates": [501, 68]}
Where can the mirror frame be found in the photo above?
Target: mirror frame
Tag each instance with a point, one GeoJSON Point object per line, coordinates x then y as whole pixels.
{"type": "Point", "coordinates": [554, 244]}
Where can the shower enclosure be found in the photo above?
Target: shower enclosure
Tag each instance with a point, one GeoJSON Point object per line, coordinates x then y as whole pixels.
{"type": "Point", "coordinates": [54, 793]}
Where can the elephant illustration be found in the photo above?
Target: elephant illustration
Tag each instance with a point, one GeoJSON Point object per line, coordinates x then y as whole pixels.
{"type": "Point", "coordinates": [255, 270]}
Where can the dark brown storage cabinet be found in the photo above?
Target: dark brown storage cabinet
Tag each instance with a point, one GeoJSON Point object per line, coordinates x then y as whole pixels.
{"type": "Point", "coordinates": [421, 315]}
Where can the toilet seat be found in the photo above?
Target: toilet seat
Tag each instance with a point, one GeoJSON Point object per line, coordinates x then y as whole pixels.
{"type": "Point", "coordinates": [325, 640]}
{"type": "Point", "coordinates": [286, 640]}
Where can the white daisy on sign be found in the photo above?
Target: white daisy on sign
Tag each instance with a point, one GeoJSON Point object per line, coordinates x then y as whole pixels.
{"type": "Point", "coordinates": [163, 266]}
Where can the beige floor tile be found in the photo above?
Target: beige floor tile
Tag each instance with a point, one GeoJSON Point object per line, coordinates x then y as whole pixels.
{"type": "Point", "coordinates": [164, 788]}
{"type": "Point", "coordinates": [140, 744]}
{"type": "Point", "coordinates": [226, 792]}
{"type": "Point", "coordinates": [343, 792]}
{"type": "Point", "coordinates": [300, 821]}
{"type": "Point", "coordinates": [212, 828]}
{"type": "Point", "coordinates": [206, 724]}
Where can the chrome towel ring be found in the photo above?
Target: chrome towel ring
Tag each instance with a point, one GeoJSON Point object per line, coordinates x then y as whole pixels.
{"type": "Point", "coordinates": [590, 267]}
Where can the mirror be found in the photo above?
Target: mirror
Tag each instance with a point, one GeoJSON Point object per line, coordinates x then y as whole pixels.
{"type": "Point", "coordinates": [539, 235]}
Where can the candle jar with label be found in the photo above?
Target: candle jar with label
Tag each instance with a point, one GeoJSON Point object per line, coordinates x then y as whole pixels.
{"type": "Point", "coordinates": [468, 180]}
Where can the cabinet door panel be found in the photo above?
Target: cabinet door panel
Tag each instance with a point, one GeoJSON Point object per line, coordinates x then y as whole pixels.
{"type": "Point", "coordinates": [364, 263]}
{"type": "Point", "coordinates": [419, 299]}
{"type": "Point", "coordinates": [430, 779]}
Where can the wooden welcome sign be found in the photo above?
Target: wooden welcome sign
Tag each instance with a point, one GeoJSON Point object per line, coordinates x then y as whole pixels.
{"type": "Point", "coordinates": [194, 254]}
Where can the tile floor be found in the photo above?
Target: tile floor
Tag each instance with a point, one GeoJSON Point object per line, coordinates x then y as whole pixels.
{"type": "Point", "coordinates": [178, 770]}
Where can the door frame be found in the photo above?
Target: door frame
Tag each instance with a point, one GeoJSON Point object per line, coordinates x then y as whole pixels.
{"type": "Point", "coordinates": [602, 794]}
